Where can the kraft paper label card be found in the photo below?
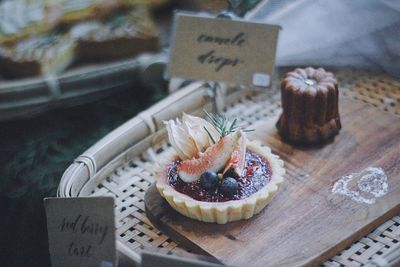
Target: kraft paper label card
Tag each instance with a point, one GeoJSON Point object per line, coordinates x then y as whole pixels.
{"type": "Point", "coordinates": [81, 231]}
{"type": "Point", "coordinates": [218, 49]}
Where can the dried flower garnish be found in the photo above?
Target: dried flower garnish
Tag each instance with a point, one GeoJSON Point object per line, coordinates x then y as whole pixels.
{"type": "Point", "coordinates": [187, 136]}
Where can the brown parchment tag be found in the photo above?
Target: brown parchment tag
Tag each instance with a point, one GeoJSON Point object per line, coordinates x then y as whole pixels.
{"type": "Point", "coordinates": [218, 49]}
{"type": "Point", "coordinates": [81, 231]}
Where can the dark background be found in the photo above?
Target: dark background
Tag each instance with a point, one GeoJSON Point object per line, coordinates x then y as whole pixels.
{"type": "Point", "coordinates": [34, 153]}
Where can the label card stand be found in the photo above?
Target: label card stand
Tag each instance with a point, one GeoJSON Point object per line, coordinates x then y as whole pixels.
{"type": "Point", "coordinates": [224, 48]}
{"type": "Point", "coordinates": [81, 231]}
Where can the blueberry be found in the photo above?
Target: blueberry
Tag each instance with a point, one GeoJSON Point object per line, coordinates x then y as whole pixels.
{"type": "Point", "coordinates": [209, 180]}
{"type": "Point", "coordinates": [229, 187]}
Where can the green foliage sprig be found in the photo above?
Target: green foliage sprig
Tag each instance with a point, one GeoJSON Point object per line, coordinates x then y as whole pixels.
{"type": "Point", "coordinates": [223, 125]}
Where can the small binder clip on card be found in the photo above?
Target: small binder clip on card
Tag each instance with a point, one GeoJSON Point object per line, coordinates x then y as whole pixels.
{"type": "Point", "coordinates": [223, 49]}
{"type": "Point", "coordinates": [261, 79]}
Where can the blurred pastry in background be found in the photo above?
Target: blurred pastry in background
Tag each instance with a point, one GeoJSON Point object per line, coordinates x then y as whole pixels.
{"type": "Point", "coordinates": [75, 11]}
{"type": "Point", "coordinates": [86, 31]}
{"type": "Point", "coordinates": [39, 55]}
{"type": "Point", "coordinates": [127, 4]}
{"type": "Point", "coordinates": [124, 35]}
{"type": "Point", "coordinates": [22, 18]}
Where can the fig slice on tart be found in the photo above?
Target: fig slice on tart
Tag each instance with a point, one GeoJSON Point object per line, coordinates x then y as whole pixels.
{"type": "Point", "coordinates": [213, 159]}
{"type": "Point", "coordinates": [236, 163]}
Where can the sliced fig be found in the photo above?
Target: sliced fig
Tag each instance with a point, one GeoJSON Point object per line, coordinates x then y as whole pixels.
{"type": "Point", "coordinates": [213, 159]}
{"type": "Point", "coordinates": [234, 167]}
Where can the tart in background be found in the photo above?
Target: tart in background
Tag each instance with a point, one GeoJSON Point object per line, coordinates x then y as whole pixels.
{"type": "Point", "coordinates": [22, 18]}
{"type": "Point", "coordinates": [39, 55]}
{"type": "Point", "coordinates": [127, 4]}
{"type": "Point", "coordinates": [124, 35]}
{"type": "Point", "coordinates": [75, 11]}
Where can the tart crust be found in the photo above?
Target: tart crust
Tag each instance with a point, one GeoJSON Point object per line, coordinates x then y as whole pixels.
{"type": "Point", "coordinates": [223, 212]}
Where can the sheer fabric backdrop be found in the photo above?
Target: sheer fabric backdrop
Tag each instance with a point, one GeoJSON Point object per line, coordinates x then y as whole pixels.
{"type": "Point", "coordinates": [341, 33]}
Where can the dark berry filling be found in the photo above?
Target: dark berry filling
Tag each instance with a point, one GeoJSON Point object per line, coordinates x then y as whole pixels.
{"type": "Point", "coordinates": [256, 174]}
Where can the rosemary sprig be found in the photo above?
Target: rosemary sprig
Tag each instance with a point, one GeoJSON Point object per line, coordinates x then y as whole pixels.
{"type": "Point", "coordinates": [220, 123]}
{"type": "Point", "coordinates": [209, 134]}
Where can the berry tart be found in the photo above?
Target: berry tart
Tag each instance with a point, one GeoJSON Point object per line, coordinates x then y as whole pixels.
{"type": "Point", "coordinates": [213, 173]}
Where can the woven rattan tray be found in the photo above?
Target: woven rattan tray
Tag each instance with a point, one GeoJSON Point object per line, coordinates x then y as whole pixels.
{"type": "Point", "coordinates": [119, 165]}
{"type": "Point", "coordinates": [79, 85]}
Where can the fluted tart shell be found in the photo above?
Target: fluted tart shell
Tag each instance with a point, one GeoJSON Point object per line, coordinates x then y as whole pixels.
{"type": "Point", "coordinates": [310, 106]}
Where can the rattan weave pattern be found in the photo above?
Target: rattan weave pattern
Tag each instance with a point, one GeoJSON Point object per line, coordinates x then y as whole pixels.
{"type": "Point", "coordinates": [129, 182]}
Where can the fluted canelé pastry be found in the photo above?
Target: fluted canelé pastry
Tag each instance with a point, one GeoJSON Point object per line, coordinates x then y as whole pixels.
{"type": "Point", "coordinates": [310, 106]}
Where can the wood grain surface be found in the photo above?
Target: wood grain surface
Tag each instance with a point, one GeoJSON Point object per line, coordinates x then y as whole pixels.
{"type": "Point", "coordinates": [304, 224]}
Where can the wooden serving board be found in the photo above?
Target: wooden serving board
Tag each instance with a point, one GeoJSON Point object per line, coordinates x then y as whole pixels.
{"type": "Point", "coordinates": [305, 223]}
